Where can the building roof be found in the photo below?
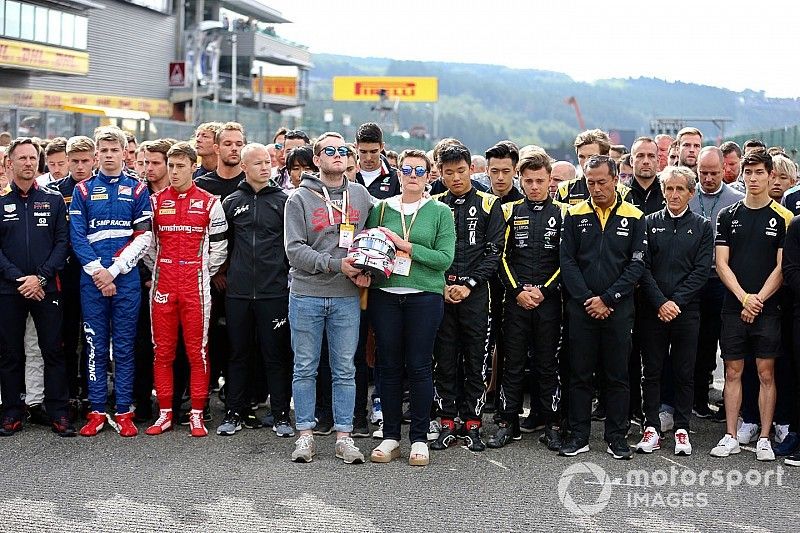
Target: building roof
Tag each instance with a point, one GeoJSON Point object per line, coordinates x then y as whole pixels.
{"type": "Point", "coordinates": [255, 9]}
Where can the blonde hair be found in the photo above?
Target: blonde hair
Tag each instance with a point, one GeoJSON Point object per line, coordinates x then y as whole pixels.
{"type": "Point", "coordinates": [112, 134]}
{"type": "Point", "coordinates": [80, 143]}
{"type": "Point", "coordinates": [229, 126]}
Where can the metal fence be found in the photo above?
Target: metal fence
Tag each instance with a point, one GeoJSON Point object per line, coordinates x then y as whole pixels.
{"type": "Point", "coordinates": [788, 138]}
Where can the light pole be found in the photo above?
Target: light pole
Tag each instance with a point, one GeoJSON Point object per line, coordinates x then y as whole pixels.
{"type": "Point", "coordinates": [234, 84]}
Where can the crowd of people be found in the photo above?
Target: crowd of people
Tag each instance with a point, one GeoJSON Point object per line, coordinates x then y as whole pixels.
{"type": "Point", "coordinates": [603, 291]}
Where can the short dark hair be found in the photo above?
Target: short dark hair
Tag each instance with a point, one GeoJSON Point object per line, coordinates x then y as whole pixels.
{"type": "Point", "coordinates": [503, 150]}
{"type": "Point", "coordinates": [730, 146]}
{"type": "Point", "coordinates": [411, 152]}
{"type": "Point", "coordinates": [369, 132]}
{"type": "Point", "coordinates": [756, 157]}
{"type": "Point", "coordinates": [303, 155]}
{"type": "Point", "coordinates": [535, 160]}
{"type": "Point", "coordinates": [297, 134]}
{"type": "Point", "coordinates": [621, 148]}
{"type": "Point", "coordinates": [453, 153]}
{"type": "Point", "coordinates": [753, 143]}
{"type": "Point", "coordinates": [19, 141]}
{"type": "Point", "coordinates": [625, 159]}
{"type": "Point", "coordinates": [56, 146]}
{"type": "Point", "coordinates": [281, 131]}
{"type": "Point", "coordinates": [596, 161]}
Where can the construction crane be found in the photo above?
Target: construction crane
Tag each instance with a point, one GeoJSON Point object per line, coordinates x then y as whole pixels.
{"type": "Point", "coordinates": [574, 102]}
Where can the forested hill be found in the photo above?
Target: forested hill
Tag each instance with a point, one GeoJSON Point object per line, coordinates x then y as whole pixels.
{"type": "Point", "coordinates": [483, 103]}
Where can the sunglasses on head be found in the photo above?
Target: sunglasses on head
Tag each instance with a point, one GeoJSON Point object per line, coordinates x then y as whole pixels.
{"type": "Point", "coordinates": [330, 151]}
{"type": "Point", "coordinates": [408, 169]}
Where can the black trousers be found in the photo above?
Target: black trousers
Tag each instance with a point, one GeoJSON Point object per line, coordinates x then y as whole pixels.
{"type": "Point", "coordinates": [47, 318]}
{"type": "Point", "coordinates": [538, 331]}
{"type": "Point", "coordinates": [676, 343]}
{"type": "Point", "coordinates": [462, 344]}
{"type": "Point", "coordinates": [269, 319]}
{"type": "Point", "coordinates": [71, 327]}
{"type": "Point", "coordinates": [635, 361]}
{"type": "Point", "coordinates": [711, 325]}
{"type": "Point", "coordinates": [603, 346]}
{"type": "Point", "coordinates": [498, 295]}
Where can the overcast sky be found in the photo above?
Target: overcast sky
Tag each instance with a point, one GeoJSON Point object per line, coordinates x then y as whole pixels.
{"type": "Point", "coordinates": [695, 42]}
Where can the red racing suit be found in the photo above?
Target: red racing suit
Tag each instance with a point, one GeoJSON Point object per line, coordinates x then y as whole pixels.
{"type": "Point", "coordinates": [190, 246]}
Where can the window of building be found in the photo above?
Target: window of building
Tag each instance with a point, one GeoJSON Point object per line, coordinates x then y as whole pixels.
{"type": "Point", "coordinates": [68, 30]}
{"type": "Point", "coordinates": [81, 32]}
{"type": "Point", "coordinates": [12, 19]}
{"type": "Point", "coordinates": [41, 25]}
{"type": "Point", "coordinates": [54, 27]}
{"type": "Point", "coordinates": [26, 22]}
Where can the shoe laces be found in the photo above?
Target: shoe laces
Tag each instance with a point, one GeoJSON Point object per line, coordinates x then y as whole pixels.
{"type": "Point", "coordinates": [304, 442]}
{"type": "Point", "coordinates": [648, 435]}
{"type": "Point", "coordinates": [196, 420]}
{"type": "Point", "coordinates": [763, 444]}
{"type": "Point", "coordinates": [681, 437]}
{"type": "Point", "coordinates": [162, 419]}
{"type": "Point", "coordinates": [346, 442]}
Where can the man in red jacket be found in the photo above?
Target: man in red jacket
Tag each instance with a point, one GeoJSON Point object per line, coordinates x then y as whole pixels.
{"type": "Point", "coordinates": [190, 246]}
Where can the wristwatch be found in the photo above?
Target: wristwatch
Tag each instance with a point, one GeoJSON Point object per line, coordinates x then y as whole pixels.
{"type": "Point", "coordinates": [42, 281]}
{"type": "Point", "coordinates": [471, 283]}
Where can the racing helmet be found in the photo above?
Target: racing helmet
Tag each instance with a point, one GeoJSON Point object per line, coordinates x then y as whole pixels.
{"type": "Point", "coordinates": [374, 252]}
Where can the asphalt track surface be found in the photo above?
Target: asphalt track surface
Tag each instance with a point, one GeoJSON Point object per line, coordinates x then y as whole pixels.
{"type": "Point", "coordinates": [247, 483]}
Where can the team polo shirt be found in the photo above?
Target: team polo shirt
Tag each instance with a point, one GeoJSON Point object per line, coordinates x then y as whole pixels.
{"type": "Point", "coordinates": [753, 237]}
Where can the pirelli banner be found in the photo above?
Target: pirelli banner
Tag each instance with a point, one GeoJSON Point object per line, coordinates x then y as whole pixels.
{"type": "Point", "coordinates": [364, 88]}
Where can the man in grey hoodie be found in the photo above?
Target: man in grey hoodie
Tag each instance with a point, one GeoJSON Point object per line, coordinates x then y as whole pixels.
{"type": "Point", "coordinates": [321, 219]}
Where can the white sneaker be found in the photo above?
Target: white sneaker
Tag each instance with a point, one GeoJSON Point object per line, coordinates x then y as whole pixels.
{"type": "Point", "coordinates": [304, 449]}
{"type": "Point", "coordinates": [378, 433]}
{"type": "Point", "coordinates": [728, 445]}
{"type": "Point", "coordinates": [650, 441]}
{"type": "Point", "coordinates": [682, 444]}
{"type": "Point", "coordinates": [433, 430]}
{"type": "Point", "coordinates": [747, 433]}
{"type": "Point", "coordinates": [667, 421]}
{"type": "Point", "coordinates": [764, 450]}
{"type": "Point", "coordinates": [377, 412]}
{"type": "Point", "coordinates": [781, 430]}
{"type": "Point", "coordinates": [347, 451]}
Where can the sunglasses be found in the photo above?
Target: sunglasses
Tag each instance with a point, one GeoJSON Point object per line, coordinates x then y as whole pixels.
{"type": "Point", "coordinates": [278, 146]}
{"type": "Point", "coordinates": [330, 151]}
{"type": "Point", "coordinates": [408, 169]}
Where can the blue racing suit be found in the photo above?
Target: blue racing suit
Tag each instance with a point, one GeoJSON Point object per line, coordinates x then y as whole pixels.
{"type": "Point", "coordinates": [111, 228]}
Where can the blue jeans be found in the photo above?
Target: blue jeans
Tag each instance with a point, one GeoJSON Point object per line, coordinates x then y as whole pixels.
{"type": "Point", "coordinates": [405, 331]}
{"type": "Point", "coordinates": [309, 316]}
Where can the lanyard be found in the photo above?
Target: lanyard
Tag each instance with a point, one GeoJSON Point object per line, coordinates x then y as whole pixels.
{"type": "Point", "coordinates": [330, 205]}
{"type": "Point", "coordinates": [703, 207]}
{"type": "Point", "coordinates": [407, 232]}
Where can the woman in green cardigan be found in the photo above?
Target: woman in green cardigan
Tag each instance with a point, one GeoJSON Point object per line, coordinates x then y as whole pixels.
{"type": "Point", "coordinates": [405, 310]}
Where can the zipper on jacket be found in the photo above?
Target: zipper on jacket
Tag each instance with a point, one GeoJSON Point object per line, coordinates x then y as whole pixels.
{"type": "Point", "coordinates": [253, 255]}
{"type": "Point", "coordinates": [28, 236]}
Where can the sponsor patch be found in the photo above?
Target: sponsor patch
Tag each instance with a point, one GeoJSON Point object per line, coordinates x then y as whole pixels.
{"type": "Point", "coordinates": [161, 297]}
{"type": "Point", "coordinates": [196, 204]}
{"type": "Point", "coordinates": [99, 197]}
{"type": "Point", "coordinates": [41, 205]}
{"type": "Point", "coordinates": [125, 190]}
{"type": "Point", "coordinates": [166, 211]}
{"type": "Point", "coordinates": [10, 208]}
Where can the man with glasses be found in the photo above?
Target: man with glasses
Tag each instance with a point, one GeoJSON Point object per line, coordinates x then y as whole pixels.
{"type": "Point", "coordinates": [321, 221]}
{"type": "Point", "coordinates": [602, 258]}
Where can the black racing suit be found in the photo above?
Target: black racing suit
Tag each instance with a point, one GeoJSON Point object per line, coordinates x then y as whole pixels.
{"type": "Point", "coordinates": [71, 326]}
{"type": "Point", "coordinates": [575, 191]}
{"type": "Point", "coordinates": [462, 343]}
{"type": "Point", "coordinates": [531, 259]}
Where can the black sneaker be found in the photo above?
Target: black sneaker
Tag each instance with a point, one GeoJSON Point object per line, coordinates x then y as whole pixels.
{"type": "Point", "coordinates": [792, 460]}
{"type": "Point", "coordinates": [9, 426]}
{"type": "Point", "coordinates": [447, 438]}
{"type": "Point", "coordinates": [473, 440]}
{"type": "Point", "coordinates": [619, 449]}
{"type": "Point", "coordinates": [231, 423]}
{"type": "Point", "coordinates": [702, 410]}
{"type": "Point", "coordinates": [323, 427]}
{"type": "Point", "coordinates": [63, 427]}
{"type": "Point", "coordinates": [38, 415]}
{"type": "Point", "coordinates": [251, 421]}
{"type": "Point", "coordinates": [360, 428]}
{"type": "Point", "coordinates": [573, 447]}
{"type": "Point", "coordinates": [719, 416]}
{"type": "Point", "coordinates": [599, 412]}
{"type": "Point", "coordinates": [551, 438]}
{"type": "Point", "coordinates": [143, 413]}
{"type": "Point", "coordinates": [506, 434]}
{"type": "Point", "coordinates": [531, 424]}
